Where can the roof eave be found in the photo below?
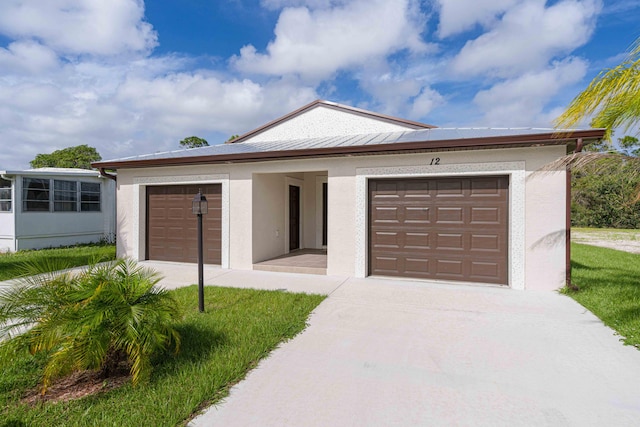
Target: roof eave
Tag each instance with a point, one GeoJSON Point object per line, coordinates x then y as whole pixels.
{"type": "Point", "coordinates": [455, 144]}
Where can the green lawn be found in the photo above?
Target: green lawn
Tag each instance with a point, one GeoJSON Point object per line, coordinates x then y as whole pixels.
{"type": "Point", "coordinates": [609, 282]}
{"type": "Point", "coordinates": [11, 263]}
{"type": "Point", "coordinates": [239, 327]}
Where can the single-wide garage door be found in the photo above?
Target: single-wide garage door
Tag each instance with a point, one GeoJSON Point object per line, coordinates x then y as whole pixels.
{"type": "Point", "coordinates": [172, 228]}
{"type": "Point", "coordinates": [440, 228]}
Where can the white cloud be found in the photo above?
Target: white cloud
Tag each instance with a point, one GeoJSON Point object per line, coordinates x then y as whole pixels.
{"type": "Point", "coordinates": [457, 16]}
{"type": "Point", "coordinates": [79, 26]}
{"type": "Point", "coordinates": [520, 101]}
{"type": "Point", "coordinates": [184, 102]}
{"type": "Point", "coordinates": [312, 4]}
{"type": "Point", "coordinates": [126, 109]}
{"type": "Point", "coordinates": [316, 43]}
{"type": "Point", "coordinates": [527, 37]}
{"type": "Point", "coordinates": [424, 103]}
{"type": "Point", "coordinates": [27, 57]}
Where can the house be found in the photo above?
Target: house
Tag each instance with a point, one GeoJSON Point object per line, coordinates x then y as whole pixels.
{"type": "Point", "coordinates": [50, 207]}
{"type": "Point", "coordinates": [384, 196]}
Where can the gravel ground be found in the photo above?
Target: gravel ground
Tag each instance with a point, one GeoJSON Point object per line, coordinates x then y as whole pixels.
{"type": "Point", "coordinates": [627, 240]}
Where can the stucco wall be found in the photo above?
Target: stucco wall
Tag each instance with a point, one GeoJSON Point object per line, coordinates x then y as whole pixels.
{"type": "Point", "coordinates": [313, 123]}
{"type": "Point", "coordinates": [268, 216]}
{"type": "Point", "coordinates": [537, 212]}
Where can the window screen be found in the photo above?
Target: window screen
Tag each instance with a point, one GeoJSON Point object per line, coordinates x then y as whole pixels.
{"type": "Point", "coordinates": [65, 196]}
{"type": "Point", "coordinates": [35, 194]}
{"type": "Point", "coordinates": [5, 195]}
{"type": "Point", "coordinates": [90, 196]}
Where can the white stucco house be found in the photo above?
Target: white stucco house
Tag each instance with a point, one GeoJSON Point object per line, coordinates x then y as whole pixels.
{"type": "Point", "coordinates": [51, 207]}
{"type": "Point", "coordinates": [384, 196]}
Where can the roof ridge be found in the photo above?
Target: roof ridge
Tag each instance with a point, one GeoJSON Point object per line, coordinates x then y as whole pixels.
{"type": "Point", "coordinates": [334, 105]}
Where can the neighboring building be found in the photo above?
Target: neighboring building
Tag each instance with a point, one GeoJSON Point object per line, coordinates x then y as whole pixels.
{"type": "Point", "coordinates": [384, 196]}
{"type": "Point", "coordinates": [51, 207]}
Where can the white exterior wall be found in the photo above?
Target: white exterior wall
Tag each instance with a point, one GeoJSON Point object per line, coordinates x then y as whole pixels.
{"type": "Point", "coordinates": [7, 232]}
{"type": "Point", "coordinates": [8, 223]}
{"type": "Point", "coordinates": [255, 211]}
{"type": "Point", "coordinates": [36, 230]}
{"type": "Point", "coordinates": [325, 121]}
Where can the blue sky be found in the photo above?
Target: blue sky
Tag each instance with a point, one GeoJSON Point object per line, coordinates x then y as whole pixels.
{"type": "Point", "coordinates": [131, 77]}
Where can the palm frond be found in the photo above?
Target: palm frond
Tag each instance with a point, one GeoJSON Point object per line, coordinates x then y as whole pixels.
{"type": "Point", "coordinates": [611, 99]}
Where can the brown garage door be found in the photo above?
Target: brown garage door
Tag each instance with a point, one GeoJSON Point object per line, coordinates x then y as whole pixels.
{"type": "Point", "coordinates": [172, 228]}
{"type": "Point", "coordinates": [444, 228]}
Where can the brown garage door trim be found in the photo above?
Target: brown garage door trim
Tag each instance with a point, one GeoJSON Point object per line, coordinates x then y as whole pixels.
{"type": "Point", "coordinates": [440, 228]}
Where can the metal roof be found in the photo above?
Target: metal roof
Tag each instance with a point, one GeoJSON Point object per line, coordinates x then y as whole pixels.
{"type": "Point", "coordinates": [361, 140]}
{"type": "Point", "coordinates": [53, 172]}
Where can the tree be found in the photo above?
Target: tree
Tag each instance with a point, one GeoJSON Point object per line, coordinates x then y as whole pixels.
{"type": "Point", "coordinates": [603, 194]}
{"type": "Point", "coordinates": [80, 156]}
{"type": "Point", "coordinates": [627, 145]}
{"type": "Point", "coordinates": [105, 317]}
{"type": "Point", "coordinates": [194, 142]}
{"type": "Point", "coordinates": [612, 97]}
{"type": "Point", "coordinates": [232, 137]}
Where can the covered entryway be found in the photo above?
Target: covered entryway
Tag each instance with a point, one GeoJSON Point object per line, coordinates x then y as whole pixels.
{"type": "Point", "coordinates": [453, 228]}
{"type": "Point", "coordinates": [171, 226]}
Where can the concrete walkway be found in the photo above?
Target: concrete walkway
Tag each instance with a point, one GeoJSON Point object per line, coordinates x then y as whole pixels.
{"type": "Point", "coordinates": [390, 352]}
{"type": "Point", "coordinates": [406, 353]}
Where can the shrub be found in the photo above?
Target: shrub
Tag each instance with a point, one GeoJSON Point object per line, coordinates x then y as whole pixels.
{"type": "Point", "coordinates": [104, 316]}
{"type": "Point", "coordinates": [605, 195]}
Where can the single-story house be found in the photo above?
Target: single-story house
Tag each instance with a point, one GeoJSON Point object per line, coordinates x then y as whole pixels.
{"type": "Point", "coordinates": [383, 195]}
{"type": "Point", "coordinates": [51, 207]}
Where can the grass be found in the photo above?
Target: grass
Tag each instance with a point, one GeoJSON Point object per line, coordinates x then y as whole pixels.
{"type": "Point", "coordinates": [11, 263]}
{"type": "Point", "coordinates": [609, 282]}
{"type": "Point", "coordinates": [239, 327]}
{"type": "Point", "coordinates": [608, 233]}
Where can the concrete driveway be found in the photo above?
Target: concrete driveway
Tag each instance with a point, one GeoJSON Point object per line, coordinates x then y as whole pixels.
{"type": "Point", "coordinates": [389, 352]}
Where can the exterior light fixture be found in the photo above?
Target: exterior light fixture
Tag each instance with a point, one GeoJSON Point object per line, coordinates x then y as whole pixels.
{"type": "Point", "coordinates": [199, 207]}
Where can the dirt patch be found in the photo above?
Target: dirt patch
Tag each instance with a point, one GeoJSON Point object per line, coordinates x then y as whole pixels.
{"type": "Point", "coordinates": [622, 241]}
{"type": "Point", "coordinates": [76, 386]}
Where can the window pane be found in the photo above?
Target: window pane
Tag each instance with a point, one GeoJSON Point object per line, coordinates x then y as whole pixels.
{"type": "Point", "coordinates": [5, 206]}
{"type": "Point", "coordinates": [5, 194]}
{"type": "Point", "coordinates": [35, 194]}
{"type": "Point", "coordinates": [5, 183]}
{"type": "Point", "coordinates": [64, 185]}
{"type": "Point", "coordinates": [90, 207]}
{"type": "Point", "coordinates": [90, 196]}
{"type": "Point", "coordinates": [93, 187]}
{"type": "Point", "coordinates": [65, 196]}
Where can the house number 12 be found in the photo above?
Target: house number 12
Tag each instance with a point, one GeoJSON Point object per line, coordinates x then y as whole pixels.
{"type": "Point", "coordinates": [435, 161]}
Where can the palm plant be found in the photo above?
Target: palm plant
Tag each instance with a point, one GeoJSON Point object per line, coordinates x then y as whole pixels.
{"type": "Point", "coordinates": [611, 99]}
{"type": "Point", "coordinates": [106, 315]}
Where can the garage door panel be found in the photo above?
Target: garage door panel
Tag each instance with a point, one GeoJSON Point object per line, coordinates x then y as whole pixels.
{"type": "Point", "coordinates": [449, 241]}
{"type": "Point", "coordinates": [386, 239]}
{"type": "Point", "coordinates": [465, 239]}
{"type": "Point", "coordinates": [449, 188]}
{"type": "Point", "coordinates": [417, 267]}
{"type": "Point", "coordinates": [172, 228]}
{"type": "Point", "coordinates": [449, 267]}
{"type": "Point", "coordinates": [417, 241]}
{"type": "Point", "coordinates": [417, 214]}
{"type": "Point", "coordinates": [481, 269]}
{"type": "Point", "coordinates": [386, 214]}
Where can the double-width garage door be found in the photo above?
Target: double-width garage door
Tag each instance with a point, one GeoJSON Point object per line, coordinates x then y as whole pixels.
{"type": "Point", "coordinates": [440, 228]}
{"type": "Point", "coordinates": [172, 227]}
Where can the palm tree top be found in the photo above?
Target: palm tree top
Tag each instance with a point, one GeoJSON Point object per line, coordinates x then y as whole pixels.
{"type": "Point", "coordinates": [612, 99]}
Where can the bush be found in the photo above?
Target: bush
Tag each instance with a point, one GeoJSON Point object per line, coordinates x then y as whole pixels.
{"type": "Point", "coordinates": [100, 318]}
{"type": "Point", "coordinates": [604, 195]}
